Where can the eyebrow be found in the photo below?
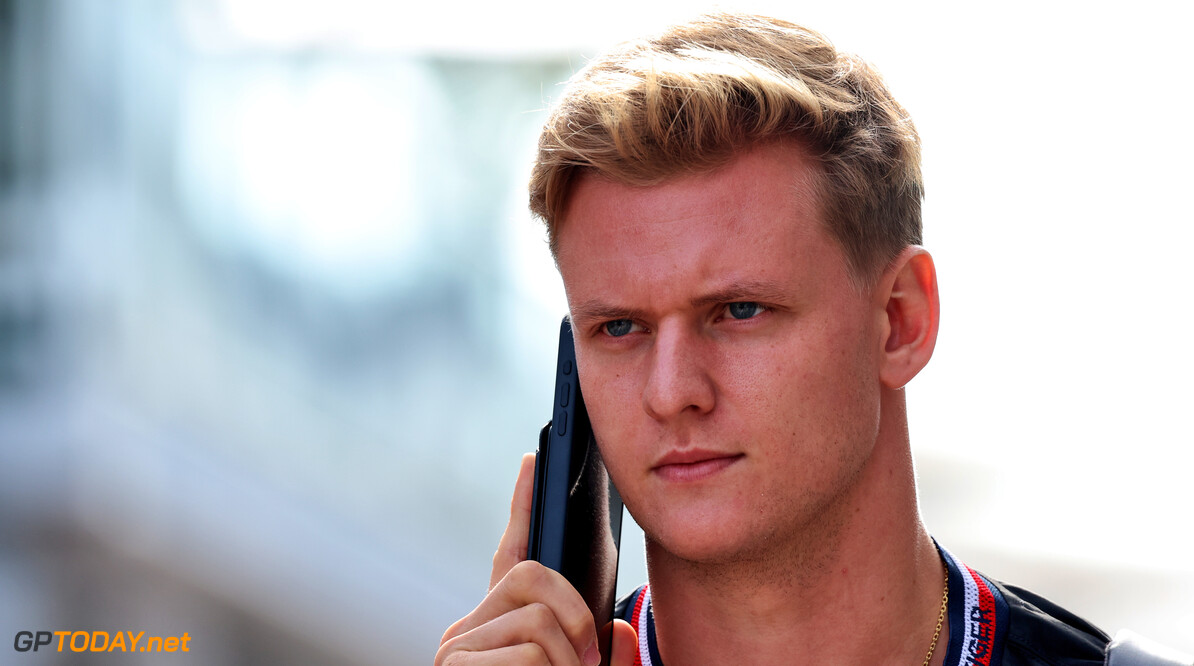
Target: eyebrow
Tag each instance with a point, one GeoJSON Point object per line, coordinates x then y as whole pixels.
{"type": "Point", "coordinates": [594, 310]}
{"type": "Point", "coordinates": [764, 291]}
{"type": "Point", "coordinates": [749, 290]}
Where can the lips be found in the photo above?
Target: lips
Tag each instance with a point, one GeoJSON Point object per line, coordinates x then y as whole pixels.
{"type": "Point", "coordinates": [693, 464]}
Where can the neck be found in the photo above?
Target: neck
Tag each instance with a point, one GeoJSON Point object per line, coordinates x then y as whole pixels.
{"type": "Point", "coordinates": [861, 585]}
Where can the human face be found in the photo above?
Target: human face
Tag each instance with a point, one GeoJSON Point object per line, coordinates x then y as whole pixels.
{"type": "Point", "coordinates": [729, 366]}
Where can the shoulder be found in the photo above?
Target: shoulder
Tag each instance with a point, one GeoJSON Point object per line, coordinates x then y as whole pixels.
{"type": "Point", "coordinates": [1041, 633]}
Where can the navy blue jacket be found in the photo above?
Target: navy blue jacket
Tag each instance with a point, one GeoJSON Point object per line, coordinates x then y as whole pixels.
{"type": "Point", "coordinates": [990, 624]}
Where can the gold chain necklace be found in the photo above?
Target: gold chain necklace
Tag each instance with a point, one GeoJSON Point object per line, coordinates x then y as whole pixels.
{"type": "Point", "coordinates": [940, 618]}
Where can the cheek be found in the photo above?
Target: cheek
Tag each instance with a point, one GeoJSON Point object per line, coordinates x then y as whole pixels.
{"type": "Point", "coordinates": [609, 398]}
{"type": "Point", "coordinates": [849, 401]}
{"type": "Point", "coordinates": [816, 390]}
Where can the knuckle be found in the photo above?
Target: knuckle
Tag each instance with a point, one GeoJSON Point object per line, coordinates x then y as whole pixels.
{"type": "Point", "coordinates": [540, 616]}
{"type": "Point", "coordinates": [445, 658]}
{"type": "Point", "coordinates": [452, 631]}
{"type": "Point", "coordinates": [527, 576]}
{"type": "Point", "coordinates": [579, 627]}
{"type": "Point", "coordinates": [529, 568]}
{"type": "Point", "coordinates": [532, 653]}
{"type": "Point", "coordinates": [456, 646]}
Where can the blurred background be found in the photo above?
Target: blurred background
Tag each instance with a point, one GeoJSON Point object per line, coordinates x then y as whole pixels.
{"type": "Point", "coordinates": [275, 324]}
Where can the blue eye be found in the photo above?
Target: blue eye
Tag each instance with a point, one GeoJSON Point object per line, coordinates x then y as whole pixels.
{"type": "Point", "coordinates": [744, 310]}
{"type": "Point", "coordinates": [618, 328]}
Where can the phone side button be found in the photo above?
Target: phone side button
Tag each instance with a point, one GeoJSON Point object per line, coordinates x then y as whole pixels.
{"type": "Point", "coordinates": [567, 367]}
{"type": "Point", "coordinates": [564, 394]}
{"type": "Point", "coordinates": [561, 422]}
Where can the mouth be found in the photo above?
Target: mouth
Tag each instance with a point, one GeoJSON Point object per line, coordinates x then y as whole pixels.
{"type": "Point", "coordinates": [693, 465]}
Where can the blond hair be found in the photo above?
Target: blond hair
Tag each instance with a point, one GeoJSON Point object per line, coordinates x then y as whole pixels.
{"type": "Point", "coordinates": [685, 101]}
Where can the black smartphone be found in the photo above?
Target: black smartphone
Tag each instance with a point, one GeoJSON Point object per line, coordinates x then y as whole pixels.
{"type": "Point", "coordinates": [576, 516]}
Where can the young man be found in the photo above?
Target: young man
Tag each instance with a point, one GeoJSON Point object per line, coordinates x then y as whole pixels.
{"type": "Point", "coordinates": [734, 208]}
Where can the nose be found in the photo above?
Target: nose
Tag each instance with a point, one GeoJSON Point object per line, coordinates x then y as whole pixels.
{"type": "Point", "coordinates": [679, 381]}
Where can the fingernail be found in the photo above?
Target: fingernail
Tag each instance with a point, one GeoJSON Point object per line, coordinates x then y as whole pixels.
{"type": "Point", "coordinates": [592, 655]}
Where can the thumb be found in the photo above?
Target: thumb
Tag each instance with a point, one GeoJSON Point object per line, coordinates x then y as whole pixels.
{"type": "Point", "coordinates": [512, 548]}
{"type": "Point", "coordinates": [624, 645]}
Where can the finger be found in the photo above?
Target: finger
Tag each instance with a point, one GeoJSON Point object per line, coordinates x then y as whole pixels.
{"type": "Point", "coordinates": [529, 583]}
{"type": "Point", "coordinates": [524, 653]}
{"type": "Point", "coordinates": [623, 645]}
{"type": "Point", "coordinates": [527, 653]}
{"type": "Point", "coordinates": [533, 623]}
{"type": "Point", "coordinates": [512, 548]}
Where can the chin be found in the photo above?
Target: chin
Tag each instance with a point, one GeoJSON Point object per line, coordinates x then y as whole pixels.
{"type": "Point", "coordinates": [696, 544]}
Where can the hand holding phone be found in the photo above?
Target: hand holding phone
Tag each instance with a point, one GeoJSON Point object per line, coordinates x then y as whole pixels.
{"type": "Point", "coordinates": [576, 517]}
{"type": "Point", "coordinates": [533, 613]}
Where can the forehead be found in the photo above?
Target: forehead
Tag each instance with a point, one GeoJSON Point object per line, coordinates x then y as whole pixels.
{"type": "Point", "coordinates": [753, 219]}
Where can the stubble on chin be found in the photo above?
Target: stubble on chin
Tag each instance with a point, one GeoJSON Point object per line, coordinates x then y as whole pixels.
{"type": "Point", "coordinates": [784, 553]}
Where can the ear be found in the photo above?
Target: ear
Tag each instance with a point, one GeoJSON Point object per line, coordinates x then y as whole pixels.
{"type": "Point", "coordinates": [908, 294]}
